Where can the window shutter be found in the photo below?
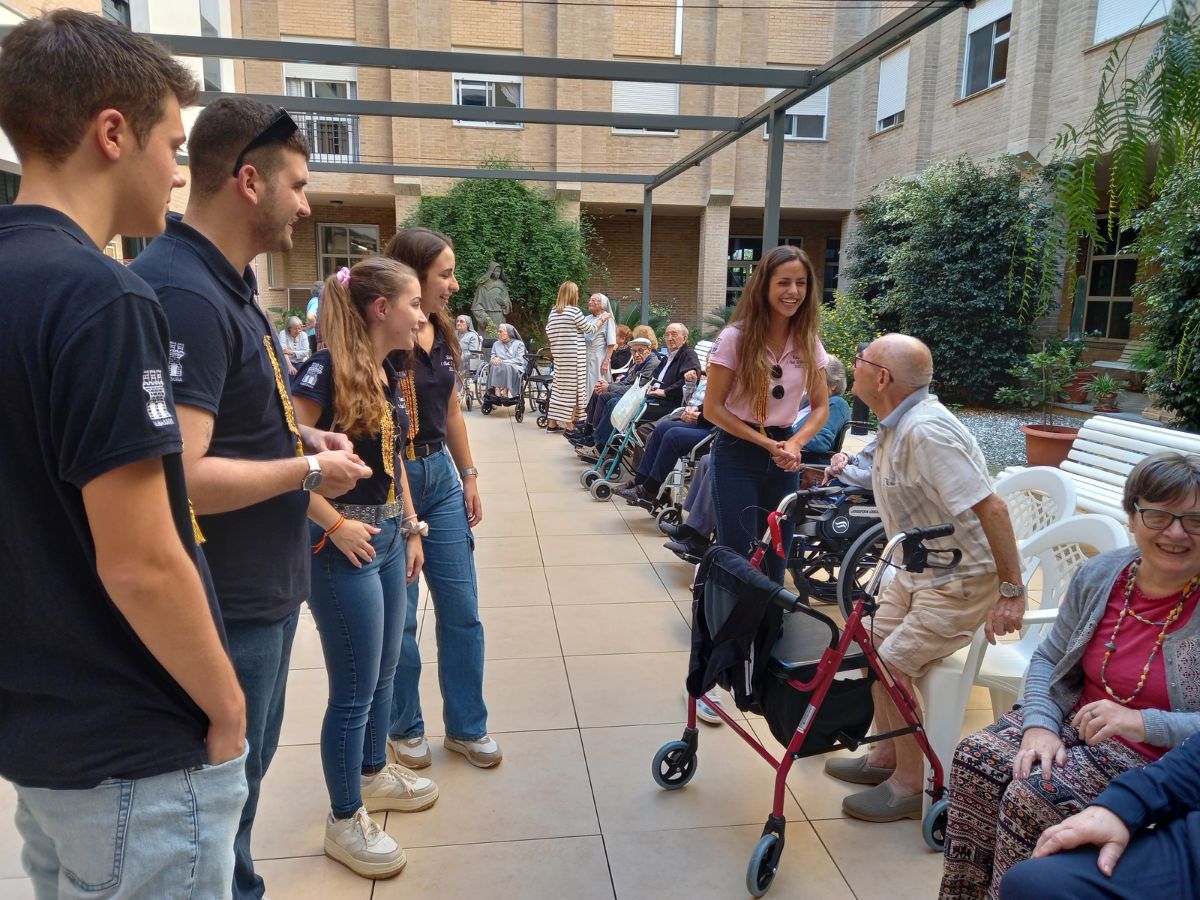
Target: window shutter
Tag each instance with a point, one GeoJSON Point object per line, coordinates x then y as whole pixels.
{"type": "Point", "coordinates": [1115, 17]}
{"type": "Point", "coordinates": [645, 97]}
{"type": "Point", "coordinates": [988, 11]}
{"type": "Point", "coordinates": [893, 83]}
{"type": "Point", "coordinates": [314, 72]}
{"type": "Point", "coordinates": [816, 105]}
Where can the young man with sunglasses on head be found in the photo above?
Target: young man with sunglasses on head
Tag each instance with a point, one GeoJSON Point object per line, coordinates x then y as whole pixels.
{"type": "Point", "coordinates": [927, 470]}
{"type": "Point", "coordinates": [250, 467]}
{"type": "Point", "coordinates": [122, 724]}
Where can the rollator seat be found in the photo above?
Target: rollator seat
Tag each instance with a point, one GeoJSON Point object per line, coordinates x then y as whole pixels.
{"type": "Point", "coordinates": [804, 638]}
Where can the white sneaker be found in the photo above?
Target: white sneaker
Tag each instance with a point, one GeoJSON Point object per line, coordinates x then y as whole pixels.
{"type": "Point", "coordinates": [704, 708]}
{"type": "Point", "coordinates": [412, 753]}
{"type": "Point", "coordinates": [483, 753]}
{"type": "Point", "coordinates": [363, 847]}
{"type": "Point", "coordinates": [397, 788]}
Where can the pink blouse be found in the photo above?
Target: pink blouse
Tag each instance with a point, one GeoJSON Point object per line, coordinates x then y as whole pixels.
{"type": "Point", "coordinates": [780, 412]}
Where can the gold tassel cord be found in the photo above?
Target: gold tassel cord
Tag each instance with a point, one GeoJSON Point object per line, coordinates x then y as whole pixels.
{"type": "Point", "coordinates": [409, 386]}
{"type": "Point", "coordinates": [387, 446]}
{"type": "Point", "coordinates": [289, 414]}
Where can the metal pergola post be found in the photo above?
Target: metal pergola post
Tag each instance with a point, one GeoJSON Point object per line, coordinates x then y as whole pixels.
{"type": "Point", "coordinates": [647, 212]}
{"type": "Point", "coordinates": [770, 233]}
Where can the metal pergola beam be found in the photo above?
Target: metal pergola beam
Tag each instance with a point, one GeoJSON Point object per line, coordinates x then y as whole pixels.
{"type": "Point", "coordinates": [508, 115]}
{"type": "Point", "coordinates": [492, 64]}
{"type": "Point", "coordinates": [451, 172]}
{"type": "Point", "coordinates": [874, 45]}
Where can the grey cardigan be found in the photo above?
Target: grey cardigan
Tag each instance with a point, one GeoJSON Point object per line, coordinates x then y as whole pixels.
{"type": "Point", "coordinates": [1055, 678]}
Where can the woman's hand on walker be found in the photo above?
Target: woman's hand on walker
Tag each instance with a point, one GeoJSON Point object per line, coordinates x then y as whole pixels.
{"type": "Point", "coordinates": [1104, 719]}
{"type": "Point", "coordinates": [354, 540]}
{"type": "Point", "coordinates": [1039, 747]}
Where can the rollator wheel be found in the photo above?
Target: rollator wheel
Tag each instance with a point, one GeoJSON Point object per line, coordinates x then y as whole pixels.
{"type": "Point", "coordinates": [858, 565]}
{"type": "Point", "coordinates": [764, 863]}
{"type": "Point", "coordinates": [486, 409]}
{"type": "Point", "coordinates": [587, 476]}
{"type": "Point", "coordinates": [674, 765]}
{"type": "Point", "coordinates": [670, 515]}
{"type": "Point", "coordinates": [933, 826]}
{"type": "Point", "coordinates": [601, 490]}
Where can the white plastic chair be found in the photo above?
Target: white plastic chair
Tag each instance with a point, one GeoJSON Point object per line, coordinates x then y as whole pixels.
{"type": "Point", "coordinates": [1056, 552]}
{"type": "Point", "coordinates": [1037, 498]}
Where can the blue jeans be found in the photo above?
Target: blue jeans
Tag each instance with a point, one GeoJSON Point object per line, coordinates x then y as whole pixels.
{"type": "Point", "coordinates": [669, 441]}
{"type": "Point", "coordinates": [169, 835]}
{"type": "Point", "coordinates": [360, 615]}
{"type": "Point", "coordinates": [261, 652]}
{"type": "Point", "coordinates": [449, 571]}
{"type": "Point", "coordinates": [746, 486]}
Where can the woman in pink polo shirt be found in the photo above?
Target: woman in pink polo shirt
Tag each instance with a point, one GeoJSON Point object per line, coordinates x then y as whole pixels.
{"type": "Point", "coordinates": [759, 370]}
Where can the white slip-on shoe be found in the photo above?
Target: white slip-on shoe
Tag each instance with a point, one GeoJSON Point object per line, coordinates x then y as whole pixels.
{"type": "Point", "coordinates": [484, 752]}
{"type": "Point", "coordinates": [412, 753]}
{"type": "Point", "coordinates": [363, 847]}
{"type": "Point", "coordinates": [704, 709]}
{"type": "Point", "coordinates": [397, 788]}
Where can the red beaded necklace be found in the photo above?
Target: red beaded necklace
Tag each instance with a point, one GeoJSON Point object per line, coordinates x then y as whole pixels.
{"type": "Point", "coordinates": [1111, 645]}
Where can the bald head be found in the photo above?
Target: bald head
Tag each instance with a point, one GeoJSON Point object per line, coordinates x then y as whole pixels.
{"type": "Point", "coordinates": [907, 358]}
{"type": "Point", "coordinates": [675, 336]}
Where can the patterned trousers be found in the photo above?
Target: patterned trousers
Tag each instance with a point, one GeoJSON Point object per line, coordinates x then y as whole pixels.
{"type": "Point", "coordinates": [995, 820]}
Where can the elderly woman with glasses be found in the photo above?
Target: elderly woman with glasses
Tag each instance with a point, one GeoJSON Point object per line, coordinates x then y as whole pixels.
{"type": "Point", "coordinates": [1113, 686]}
{"type": "Point", "coordinates": [295, 345]}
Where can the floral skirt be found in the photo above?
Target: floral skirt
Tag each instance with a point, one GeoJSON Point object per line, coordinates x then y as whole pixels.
{"type": "Point", "coordinates": [995, 820]}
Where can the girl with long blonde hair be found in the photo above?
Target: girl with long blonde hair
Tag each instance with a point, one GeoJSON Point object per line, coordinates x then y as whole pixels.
{"type": "Point", "coordinates": [366, 546]}
{"type": "Point", "coordinates": [760, 369]}
{"type": "Point", "coordinates": [565, 330]}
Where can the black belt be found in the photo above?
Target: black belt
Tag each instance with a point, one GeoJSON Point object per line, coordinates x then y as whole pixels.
{"type": "Point", "coordinates": [774, 432]}
{"type": "Point", "coordinates": [420, 451]}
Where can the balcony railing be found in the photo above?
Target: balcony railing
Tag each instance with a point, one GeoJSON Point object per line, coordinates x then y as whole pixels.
{"type": "Point", "coordinates": [330, 138]}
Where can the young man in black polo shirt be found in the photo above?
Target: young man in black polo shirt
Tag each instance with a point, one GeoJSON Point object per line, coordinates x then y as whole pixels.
{"type": "Point", "coordinates": [121, 720]}
{"type": "Point", "coordinates": [248, 475]}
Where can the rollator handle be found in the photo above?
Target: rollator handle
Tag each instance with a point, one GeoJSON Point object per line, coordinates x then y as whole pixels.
{"type": "Point", "coordinates": [916, 554]}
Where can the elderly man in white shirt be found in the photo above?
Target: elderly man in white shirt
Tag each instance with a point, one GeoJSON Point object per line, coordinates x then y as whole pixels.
{"type": "Point", "coordinates": [927, 470]}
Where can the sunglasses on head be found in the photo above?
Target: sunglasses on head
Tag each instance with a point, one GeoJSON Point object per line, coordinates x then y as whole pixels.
{"type": "Point", "coordinates": [277, 131]}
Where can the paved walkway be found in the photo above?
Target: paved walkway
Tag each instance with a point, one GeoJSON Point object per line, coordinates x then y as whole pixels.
{"type": "Point", "coordinates": [587, 637]}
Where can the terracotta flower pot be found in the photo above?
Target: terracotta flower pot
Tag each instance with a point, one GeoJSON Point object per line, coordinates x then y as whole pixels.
{"type": "Point", "coordinates": [1106, 403]}
{"type": "Point", "coordinates": [1078, 388]}
{"type": "Point", "coordinates": [1048, 445]}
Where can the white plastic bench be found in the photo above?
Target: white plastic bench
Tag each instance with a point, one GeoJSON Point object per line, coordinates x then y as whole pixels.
{"type": "Point", "coordinates": [702, 349]}
{"type": "Point", "coordinates": [1106, 450]}
{"type": "Point", "coordinates": [1124, 363]}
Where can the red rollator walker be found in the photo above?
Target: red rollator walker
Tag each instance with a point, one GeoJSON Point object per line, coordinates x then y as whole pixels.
{"type": "Point", "coordinates": [791, 664]}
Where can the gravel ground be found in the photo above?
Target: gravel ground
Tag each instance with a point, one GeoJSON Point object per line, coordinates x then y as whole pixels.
{"type": "Point", "coordinates": [998, 434]}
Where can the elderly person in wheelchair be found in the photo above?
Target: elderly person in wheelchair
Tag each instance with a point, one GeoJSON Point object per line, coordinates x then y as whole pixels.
{"type": "Point", "coordinates": [507, 365]}
{"type": "Point", "coordinates": [606, 393]}
{"type": "Point", "coordinates": [1111, 688]}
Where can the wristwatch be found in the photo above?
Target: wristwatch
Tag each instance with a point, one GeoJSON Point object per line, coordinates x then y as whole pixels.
{"type": "Point", "coordinates": [1010, 590]}
{"type": "Point", "coordinates": [313, 479]}
{"type": "Point", "coordinates": [468, 472]}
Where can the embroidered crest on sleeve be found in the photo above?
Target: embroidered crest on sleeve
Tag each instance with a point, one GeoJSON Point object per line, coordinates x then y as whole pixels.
{"type": "Point", "coordinates": [311, 374]}
{"type": "Point", "coordinates": [176, 361]}
{"type": "Point", "coordinates": [156, 398]}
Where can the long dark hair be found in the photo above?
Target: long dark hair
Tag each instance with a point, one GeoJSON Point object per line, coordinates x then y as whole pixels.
{"type": "Point", "coordinates": [419, 248]}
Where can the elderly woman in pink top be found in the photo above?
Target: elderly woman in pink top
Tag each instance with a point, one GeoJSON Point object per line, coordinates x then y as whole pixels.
{"type": "Point", "coordinates": [759, 370]}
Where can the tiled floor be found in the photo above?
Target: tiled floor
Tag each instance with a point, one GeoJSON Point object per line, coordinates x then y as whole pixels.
{"type": "Point", "coordinates": [587, 637]}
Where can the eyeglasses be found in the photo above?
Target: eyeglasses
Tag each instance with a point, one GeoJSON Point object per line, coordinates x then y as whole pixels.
{"type": "Point", "coordinates": [1161, 520]}
{"type": "Point", "coordinates": [859, 358]}
{"type": "Point", "coordinates": [281, 127]}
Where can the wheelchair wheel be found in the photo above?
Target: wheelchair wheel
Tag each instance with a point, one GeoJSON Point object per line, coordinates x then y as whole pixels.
{"type": "Point", "coordinates": [600, 490]}
{"type": "Point", "coordinates": [542, 421]}
{"type": "Point", "coordinates": [519, 411]}
{"type": "Point", "coordinates": [486, 408]}
{"type": "Point", "coordinates": [674, 765]}
{"type": "Point", "coordinates": [587, 476]}
{"type": "Point", "coordinates": [858, 565]}
{"type": "Point", "coordinates": [933, 826]}
{"type": "Point", "coordinates": [668, 514]}
{"type": "Point", "coordinates": [764, 863]}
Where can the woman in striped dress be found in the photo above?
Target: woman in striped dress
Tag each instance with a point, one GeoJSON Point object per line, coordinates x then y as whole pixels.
{"type": "Point", "coordinates": [565, 329]}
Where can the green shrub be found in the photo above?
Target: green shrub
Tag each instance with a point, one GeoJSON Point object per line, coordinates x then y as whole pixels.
{"type": "Point", "coordinates": [844, 325]}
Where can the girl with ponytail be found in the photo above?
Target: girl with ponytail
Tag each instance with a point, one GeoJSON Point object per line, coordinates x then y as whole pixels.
{"type": "Point", "coordinates": [366, 548]}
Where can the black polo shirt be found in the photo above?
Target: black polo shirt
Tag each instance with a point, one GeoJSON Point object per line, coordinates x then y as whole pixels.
{"type": "Point", "coordinates": [315, 382]}
{"type": "Point", "coordinates": [258, 554]}
{"type": "Point", "coordinates": [83, 361]}
{"type": "Point", "coordinates": [434, 375]}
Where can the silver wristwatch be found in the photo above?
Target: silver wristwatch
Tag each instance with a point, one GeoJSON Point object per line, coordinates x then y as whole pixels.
{"type": "Point", "coordinates": [1010, 590]}
{"type": "Point", "coordinates": [313, 479]}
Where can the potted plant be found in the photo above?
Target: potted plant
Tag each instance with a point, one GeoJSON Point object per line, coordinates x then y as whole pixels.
{"type": "Point", "coordinates": [1104, 389]}
{"type": "Point", "coordinates": [1042, 377]}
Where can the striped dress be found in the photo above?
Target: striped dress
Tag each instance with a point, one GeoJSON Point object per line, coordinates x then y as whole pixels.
{"type": "Point", "coordinates": [565, 331]}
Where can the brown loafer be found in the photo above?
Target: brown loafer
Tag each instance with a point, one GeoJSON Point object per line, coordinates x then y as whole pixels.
{"type": "Point", "coordinates": [856, 770]}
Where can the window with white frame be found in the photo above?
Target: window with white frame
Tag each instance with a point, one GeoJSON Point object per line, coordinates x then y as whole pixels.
{"type": "Point", "coordinates": [893, 89]}
{"type": "Point", "coordinates": [645, 97]}
{"type": "Point", "coordinates": [332, 137]}
{"type": "Point", "coordinates": [1111, 273]}
{"type": "Point", "coordinates": [986, 61]}
{"type": "Point", "coordinates": [504, 91]}
{"type": "Point", "coordinates": [1117, 17]}
{"type": "Point", "coordinates": [344, 245]}
{"type": "Point", "coordinates": [806, 120]}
